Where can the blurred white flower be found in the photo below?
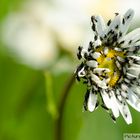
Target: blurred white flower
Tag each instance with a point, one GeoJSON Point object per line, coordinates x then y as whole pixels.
{"type": "Point", "coordinates": [29, 38]}
{"type": "Point", "coordinates": [70, 19]}
{"type": "Point", "coordinates": [33, 32]}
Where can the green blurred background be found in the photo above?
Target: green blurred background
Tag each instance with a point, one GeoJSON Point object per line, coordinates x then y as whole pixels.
{"type": "Point", "coordinates": [24, 101]}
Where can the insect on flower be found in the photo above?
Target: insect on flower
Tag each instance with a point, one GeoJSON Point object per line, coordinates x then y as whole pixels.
{"type": "Point", "coordinates": [111, 66]}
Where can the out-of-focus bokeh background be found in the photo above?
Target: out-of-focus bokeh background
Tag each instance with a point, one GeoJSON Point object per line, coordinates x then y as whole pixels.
{"type": "Point", "coordinates": [38, 43]}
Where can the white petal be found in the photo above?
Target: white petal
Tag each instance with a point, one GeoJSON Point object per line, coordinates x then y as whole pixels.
{"type": "Point", "coordinates": [100, 25]}
{"type": "Point", "coordinates": [114, 106]}
{"type": "Point", "coordinates": [97, 42]}
{"type": "Point", "coordinates": [81, 73]}
{"type": "Point", "coordinates": [118, 64]}
{"type": "Point", "coordinates": [96, 55]}
{"type": "Point", "coordinates": [134, 49]}
{"type": "Point", "coordinates": [120, 59]}
{"type": "Point", "coordinates": [106, 98]}
{"type": "Point", "coordinates": [124, 94]}
{"type": "Point", "coordinates": [133, 100]}
{"type": "Point", "coordinates": [124, 87]}
{"type": "Point", "coordinates": [101, 70]}
{"type": "Point", "coordinates": [134, 70]}
{"type": "Point", "coordinates": [110, 102]}
{"type": "Point", "coordinates": [135, 65]}
{"type": "Point", "coordinates": [125, 26]}
{"type": "Point", "coordinates": [105, 50]}
{"type": "Point", "coordinates": [134, 45]}
{"type": "Point", "coordinates": [134, 57]}
{"type": "Point", "coordinates": [124, 111]}
{"type": "Point", "coordinates": [131, 76]}
{"type": "Point", "coordinates": [133, 36]}
{"type": "Point", "coordinates": [114, 23]}
{"type": "Point", "coordinates": [92, 63]}
{"type": "Point", "coordinates": [100, 83]}
{"type": "Point", "coordinates": [136, 90]}
{"type": "Point", "coordinates": [92, 100]}
{"type": "Point", "coordinates": [83, 52]}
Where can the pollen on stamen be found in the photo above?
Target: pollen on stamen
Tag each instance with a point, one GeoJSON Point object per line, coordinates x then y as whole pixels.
{"type": "Point", "coordinates": [108, 59]}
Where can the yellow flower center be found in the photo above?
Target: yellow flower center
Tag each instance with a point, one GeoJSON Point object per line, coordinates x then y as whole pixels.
{"type": "Point", "coordinates": [109, 61]}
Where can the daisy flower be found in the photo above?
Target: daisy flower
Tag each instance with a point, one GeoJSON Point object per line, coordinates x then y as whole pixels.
{"type": "Point", "coordinates": [110, 66]}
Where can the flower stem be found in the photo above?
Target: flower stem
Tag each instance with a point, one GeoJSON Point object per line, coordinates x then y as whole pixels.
{"type": "Point", "coordinates": [51, 106]}
{"type": "Point", "coordinates": [64, 96]}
